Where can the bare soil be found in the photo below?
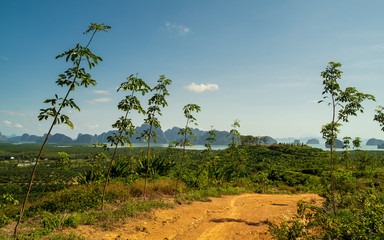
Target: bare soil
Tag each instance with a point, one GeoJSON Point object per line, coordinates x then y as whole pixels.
{"type": "Point", "coordinates": [237, 217]}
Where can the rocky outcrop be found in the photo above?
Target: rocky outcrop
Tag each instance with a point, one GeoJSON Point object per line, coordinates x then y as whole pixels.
{"type": "Point", "coordinates": [56, 138]}
{"type": "Point", "coordinates": [86, 138]}
{"type": "Point", "coordinates": [2, 138]}
{"type": "Point", "coordinates": [338, 144]}
{"type": "Point", "coordinates": [223, 137]}
{"type": "Point", "coordinates": [374, 142]}
{"type": "Point", "coordinates": [29, 138]}
{"type": "Point", "coordinates": [313, 141]}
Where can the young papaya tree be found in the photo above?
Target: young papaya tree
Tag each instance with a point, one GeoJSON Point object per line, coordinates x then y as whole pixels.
{"type": "Point", "coordinates": [344, 104]}
{"type": "Point", "coordinates": [185, 132]}
{"type": "Point", "coordinates": [154, 103]}
{"type": "Point", "coordinates": [124, 124]}
{"type": "Point", "coordinates": [73, 77]}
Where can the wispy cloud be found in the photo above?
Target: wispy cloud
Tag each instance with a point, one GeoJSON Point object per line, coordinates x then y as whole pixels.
{"type": "Point", "coordinates": [10, 124]}
{"type": "Point", "coordinates": [202, 87]}
{"type": "Point", "coordinates": [4, 58]}
{"type": "Point", "coordinates": [101, 92]}
{"type": "Point", "coordinates": [14, 113]}
{"type": "Point", "coordinates": [92, 126]}
{"type": "Point", "coordinates": [100, 100]}
{"type": "Point", "coordinates": [378, 48]}
{"type": "Point", "coordinates": [313, 101]}
{"type": "Point", "coordinates": [177, 29]}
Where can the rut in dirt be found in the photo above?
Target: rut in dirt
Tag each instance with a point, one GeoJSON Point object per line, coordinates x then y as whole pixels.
{"type": "Point", "coordinates": [241, 217]}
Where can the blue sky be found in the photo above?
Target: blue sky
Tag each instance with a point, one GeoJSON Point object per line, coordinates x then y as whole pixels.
{"type": "Point", "coordinates": [256, 61]}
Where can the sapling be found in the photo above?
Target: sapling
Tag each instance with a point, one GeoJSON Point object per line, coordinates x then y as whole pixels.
{"type": "Point", "coordinates": [154, 103]}
{"type": "Point", "coordinates": [234, 134]}
{"type": "Point", "coordinates": [72, 77]}
{"type": "Point", "coordinates": [360, 157]}
{"type": "Point", "coordinates": [356, 143]}
{"type": "Point", "coordinates": [185, 132]}
{"type": "Point", "coordinates": [124, 124]}
{"type": "Point", "coordinates": [346, 147]}
{"type": "Point", "coordinates": [237, 155]}
{"type": "Point", "coordinates": [379, 117]}
{"type": "Point", "coordinates": [211, 138]}
{"type": "Point", "coordinates": [344, 103]}
{"type": "Point", "coordinates": [62, 163]}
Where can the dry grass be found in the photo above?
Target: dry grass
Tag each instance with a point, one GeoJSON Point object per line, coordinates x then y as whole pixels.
{"type": "Point", "coordinates": [156, 188]}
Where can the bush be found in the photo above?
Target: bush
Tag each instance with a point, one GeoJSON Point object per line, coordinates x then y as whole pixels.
{"type": "Point", "coordinates": [79, 198]}
{"type": "Point", "coordinates": [363, 218]}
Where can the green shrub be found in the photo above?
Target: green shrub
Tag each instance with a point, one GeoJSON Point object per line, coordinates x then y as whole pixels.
{"type": "Point", "coordinates": [51, 222]}
{"type": "Point", "coordinates": [79, 198]}
{"type": "Point", "coordinates": [362, 218]}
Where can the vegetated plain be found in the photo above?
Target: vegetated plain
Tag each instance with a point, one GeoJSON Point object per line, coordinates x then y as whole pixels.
{"type": "Point", "coordinates": [67, 194]}
{"type": "Point", "coordinates": [70, 189]}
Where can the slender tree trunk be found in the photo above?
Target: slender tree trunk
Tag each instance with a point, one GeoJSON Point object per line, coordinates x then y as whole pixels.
{"type": "Point", "coordinates": [110, 165]}
{"type": "Point", "coordinates": [182, 158]}
{"type": "Point", "coordinates": [45, 141]}
{"type": "Point", "coordinates": [148, 155]}
{"type": "Point", "coordinates": [38, 159]}
{"type": "Point", "coordinates": [181, 164]}
{"type": "Point", "coordinates": [109, 172]}
{"type": "Point", "coordinates": [332, 157]}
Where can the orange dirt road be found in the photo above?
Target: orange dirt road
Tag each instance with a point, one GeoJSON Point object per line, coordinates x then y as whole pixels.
{"type": "Point", "coordinates": [240, 217]}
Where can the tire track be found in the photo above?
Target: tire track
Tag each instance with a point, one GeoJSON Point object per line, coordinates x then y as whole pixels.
{"type": "Point", "coordinates": [237, 217]}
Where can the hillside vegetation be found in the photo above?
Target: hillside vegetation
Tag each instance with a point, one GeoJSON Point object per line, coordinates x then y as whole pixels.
{"type": "Point", "coordinates": [68, 193]}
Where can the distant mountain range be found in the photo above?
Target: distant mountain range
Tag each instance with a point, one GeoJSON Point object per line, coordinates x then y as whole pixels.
{"type": "Point", "coordinates": [163, 137]}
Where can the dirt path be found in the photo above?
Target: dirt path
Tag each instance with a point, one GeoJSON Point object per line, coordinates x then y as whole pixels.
{"type": "Point", "coordinates": [230, 217]}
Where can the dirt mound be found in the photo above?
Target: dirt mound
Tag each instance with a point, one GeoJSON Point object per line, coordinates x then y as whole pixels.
{"type": "Point", "coordinates": [243, 216]}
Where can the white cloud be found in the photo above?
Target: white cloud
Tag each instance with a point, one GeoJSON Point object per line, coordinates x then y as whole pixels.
{"type": "Point", "coordinates": [177, 29]}
{"type": "Point", "coordinates": [9, 124]}
{"type": "Point", "coordinates": [202, 87]}
{"type": "Point", "coordinates": [14, 113]}
{"type": "Point", "coordinates": [93, 126]}
{"type": "Point", "coordinates": [100, 100]}
{"type": "Point", "coordinates": [101, 92]}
